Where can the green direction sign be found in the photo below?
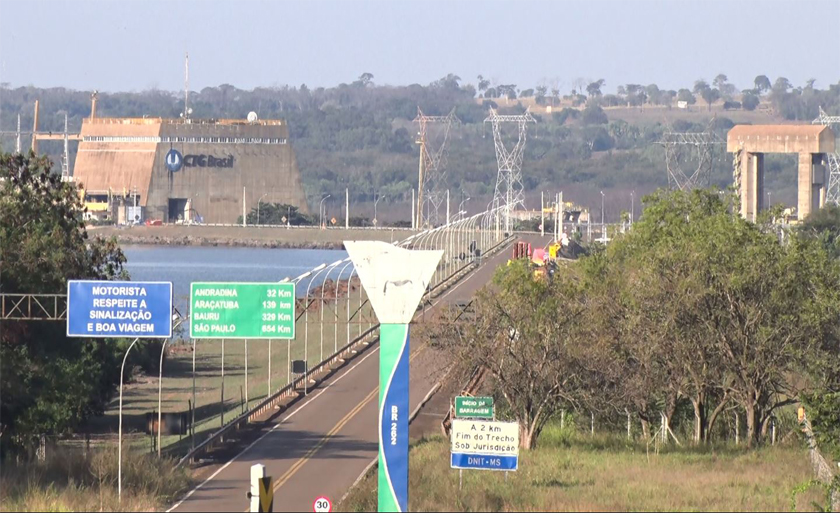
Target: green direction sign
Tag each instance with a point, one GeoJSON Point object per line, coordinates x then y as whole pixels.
{"type": "Point", "coordinates": [242, 310]}
{"type": "Point", "coordinates": [474, 407]}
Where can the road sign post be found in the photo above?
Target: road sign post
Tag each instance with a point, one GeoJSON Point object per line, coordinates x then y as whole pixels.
{"type": "Point", "coordinates": [242, 310]}
{"type": "Point", "coordinates": [322, 505]}
{"type": "Point", "coordinates": [483, 445]}
{"type": "Point", "coordinates": [474, 408]}
{"type": "Point", "coordinates": [119, 309]}
{"type": "Point", "coordinates": [395, 280]}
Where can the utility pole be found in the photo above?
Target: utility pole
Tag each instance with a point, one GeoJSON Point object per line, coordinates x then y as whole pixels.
{"type": "Point", "coordinates": [17, 141]}
{"type": "Point", "coordinates": [244, 218]}
{"type": "Point", "coordinates": [346, 208]}
{"type": "Point", "coordinates": [447, 206]}
{"type": "Point", "coordinates": [560, 217]}
{"type": "Point", "coordinates": [632, 206]}
{"type": "Point", "coordinates": [413, 219]}
{"type": "Point", "coordinates": [542, 213]}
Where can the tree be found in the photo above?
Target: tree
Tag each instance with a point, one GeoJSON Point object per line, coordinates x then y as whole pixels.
{"type": "Point", "coordinates": [594, 115]}
{"type": "Point", "coordinates": [684, 95]}
{"type": "Point", "coordinates": [720, 81]}
{"type": "Point", "coordinates": [782, 85]}
{"type": "Point", "coordinates": [50, 383]}
{"type": "Point", "coordinates": [594, 88]}
{"type": "Point", "coordinates": [365, 80]}
{"type": "Point", "coordinates": [526, 335]}
{"type": "Point", "coordinates": [719, 325]}
{"type": "Point", "coordinates": [483, 84]}
{"type": "Point", "coordinates": [710, 96]}
{"type": "Point", "coordinates": [700, 86]}
{"type": "Point", "coordinates": [526, 93]}
{"type": "Point", "coordinates": [750, 101]}
{"type": "Point", "coordinates": [540, 94]}
{"type": "Point", "coordinates": [762, 84]}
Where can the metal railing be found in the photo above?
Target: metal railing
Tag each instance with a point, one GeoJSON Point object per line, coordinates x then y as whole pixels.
{"type": "Point", "coordinates": [458, 240]}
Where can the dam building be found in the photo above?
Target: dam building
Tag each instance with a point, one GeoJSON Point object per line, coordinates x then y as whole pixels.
{"type": "Point", "coordinates": [185, 170]}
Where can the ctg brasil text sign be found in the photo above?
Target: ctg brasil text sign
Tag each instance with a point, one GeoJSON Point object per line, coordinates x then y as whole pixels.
{"type": "Point", "coordinates": [474, 407]}
{"type": "Point", "coordinates": [122, 309]}
{"type": "Point", "coordinates": [478, 444]}
{"type": "Point", "coordinates": [242, 310]}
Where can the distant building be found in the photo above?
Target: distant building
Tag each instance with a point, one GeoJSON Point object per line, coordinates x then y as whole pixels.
{"type": "Point", "coordinates": [185, 170]}
{"type": "Point", "coordinates": [571, 213]}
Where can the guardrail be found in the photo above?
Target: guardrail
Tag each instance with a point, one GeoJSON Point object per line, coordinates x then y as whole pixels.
{"type": "Point", "coordinates": [368, 337]}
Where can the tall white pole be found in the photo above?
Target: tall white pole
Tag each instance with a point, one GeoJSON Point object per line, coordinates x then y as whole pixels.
{"type": "Point", "coordinates": [186, 85]}
{"type": "Point", "coordinates": [17, 140]}
{"type": "Point", "coordinates": [542, 213]}
{"type": "Point", "coordinates": [347, 208]}
{"type": "Point", "coordinates": [413, 220]}
{"type": "Point", "coordinates": [247, 403]}
{"type": "Point", "coordinates": [560, 217]}
{"type": "Point", "coordinates": [632, 206]}
{"type": "Point", "coordinates": [269, 368]}
{"type": "Point", "coordinates": [447, 206]}
{"type": "Point", "coordinates": [119, 442]}
{"type": "Point", "coordinates": [244, 218]}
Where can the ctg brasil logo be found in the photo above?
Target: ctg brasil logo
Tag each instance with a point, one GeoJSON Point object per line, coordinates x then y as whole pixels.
{"type": "Point", "coordinates": [174, 160]}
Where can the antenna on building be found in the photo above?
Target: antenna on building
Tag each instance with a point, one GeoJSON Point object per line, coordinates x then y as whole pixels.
{"type": "Point", "coordinates": [186, 85]}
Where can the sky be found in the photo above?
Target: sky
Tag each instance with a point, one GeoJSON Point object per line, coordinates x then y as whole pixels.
{"type": "Point", "coordinates": [134, 45]}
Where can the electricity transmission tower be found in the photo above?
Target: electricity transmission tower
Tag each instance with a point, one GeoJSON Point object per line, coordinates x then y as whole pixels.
{"type": "Point", "coordinates": [509, 191]}
{"type": "Point", "coordinates": [689, 157]}
{"type": "Point", "coordinates": [832, 194]}
{"type": "Point", "coordinates": [431, 181]}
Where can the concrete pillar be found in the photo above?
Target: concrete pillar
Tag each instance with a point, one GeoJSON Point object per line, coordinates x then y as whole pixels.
{"type": "Point", "coordinates": [811, 184]}
{"type": "Point", "coordinates": [752, 185]}
{"type": "Point", "coordinates": [820, 179]}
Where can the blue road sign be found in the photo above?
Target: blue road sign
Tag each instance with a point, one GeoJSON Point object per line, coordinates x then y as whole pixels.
{"type": "Point", "coordinates": [119, 309]}
{"type": "Point", "coordinates": [482, 462]}
{"type": "Point", "coordinates": [174, 160]}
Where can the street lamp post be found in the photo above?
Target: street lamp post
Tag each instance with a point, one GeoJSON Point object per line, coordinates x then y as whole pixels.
{"type": "Point", "coordinates": [119, 442]}
{"type": "Point", "coordinates": [320, 211]}
{"type": "Point", "coordinates": [602, 213]}
{"type": "Point", "coordinates": [632, 206]}
{"type": "Point", "coordinates": [376, 199]}
{"type": "Point", "coordinates": [462, 203]}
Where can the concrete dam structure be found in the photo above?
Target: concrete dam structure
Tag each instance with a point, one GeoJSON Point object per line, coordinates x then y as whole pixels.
{"type": "Point", "coordinates": [749, 143]}
{"type": "Point", "coordinates": [186, 169]}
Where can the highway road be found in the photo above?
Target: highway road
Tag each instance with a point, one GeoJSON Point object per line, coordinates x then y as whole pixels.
{"type": "Point", "coordinates": [321, 445]}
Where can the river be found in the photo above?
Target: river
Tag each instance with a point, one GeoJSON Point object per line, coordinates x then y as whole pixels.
{"type": "Point", "coordinates": [183, 265]}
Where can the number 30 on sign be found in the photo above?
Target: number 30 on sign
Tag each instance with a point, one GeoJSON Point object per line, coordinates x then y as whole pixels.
{"type": "Point", "coordinates": [322, 505]}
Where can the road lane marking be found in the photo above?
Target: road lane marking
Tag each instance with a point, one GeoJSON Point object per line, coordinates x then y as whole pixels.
{"type": "Point", "coordinates": [347, 418]}
{"type": "Point", "coordinates": [258, 440]}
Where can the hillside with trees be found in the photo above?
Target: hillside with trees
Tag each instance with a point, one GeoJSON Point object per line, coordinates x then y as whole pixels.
{"type": "Point", "coordinates": [360, 135]}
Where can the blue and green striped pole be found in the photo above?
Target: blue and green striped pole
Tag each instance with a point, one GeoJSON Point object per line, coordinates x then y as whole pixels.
{"type": "Point", "coordinates": [395, 280]}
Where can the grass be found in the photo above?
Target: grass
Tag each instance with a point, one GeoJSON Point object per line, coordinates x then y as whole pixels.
{"type": "Point", "coordinates": [69, 481]}
{"type": "Point", "coordinates": [141, 396]}
{"type": "Point", "coordinates": [578, 473]}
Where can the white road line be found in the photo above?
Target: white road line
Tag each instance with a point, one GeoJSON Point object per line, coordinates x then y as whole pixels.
{"type": "Point", "coordinates": [258, 440]}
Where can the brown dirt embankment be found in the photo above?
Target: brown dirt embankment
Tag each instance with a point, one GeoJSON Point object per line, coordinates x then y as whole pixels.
{"type": "Point", "coordinates": [247, 236]}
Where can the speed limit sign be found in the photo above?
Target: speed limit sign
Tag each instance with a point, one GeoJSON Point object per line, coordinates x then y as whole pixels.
{"type": "Point", "coordinates": [322, 505]}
